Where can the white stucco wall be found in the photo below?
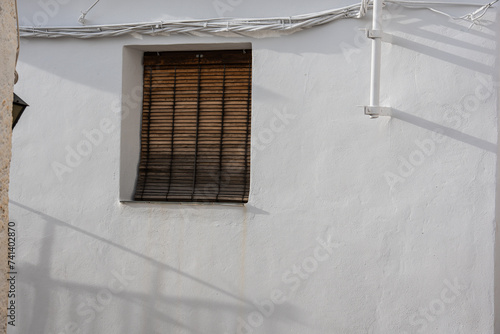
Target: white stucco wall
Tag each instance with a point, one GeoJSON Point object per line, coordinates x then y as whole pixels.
{"type": "Point", "coordinates": [353, 225]}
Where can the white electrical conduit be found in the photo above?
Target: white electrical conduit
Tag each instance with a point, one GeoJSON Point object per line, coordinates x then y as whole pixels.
{"type": "Point", "coordinates": [376, 35]}
{"type": "Point", "coordinates": [242, 26]}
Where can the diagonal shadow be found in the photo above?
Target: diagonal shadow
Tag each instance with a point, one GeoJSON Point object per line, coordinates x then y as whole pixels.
{"type": "Point", "coordinates": [418, 29]}
{"type": "Point", "coordinates": [159, 264]}
{"type": "Point", "coordinates": [422, 29]}
{"type": "Point", "coordinates": [442, 55]}
{"type": "Point", "coordinates": [449, 132]}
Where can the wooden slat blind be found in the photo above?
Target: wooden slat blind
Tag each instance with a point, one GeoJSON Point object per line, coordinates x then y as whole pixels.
{"type": "Point", "coordinates": [195, 139]}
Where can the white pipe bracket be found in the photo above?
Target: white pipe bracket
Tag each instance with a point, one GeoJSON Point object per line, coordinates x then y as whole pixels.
{"type": "Point", "coordinates": [374, 112]}
{"type": "Point", "coordinates": [372, 34]}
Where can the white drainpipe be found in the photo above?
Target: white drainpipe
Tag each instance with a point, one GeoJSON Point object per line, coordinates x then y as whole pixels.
{"type": "Point", "coordinates": [374, 109]}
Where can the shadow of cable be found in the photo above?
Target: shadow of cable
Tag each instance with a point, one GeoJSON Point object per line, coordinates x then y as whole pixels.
{"type": "Point", "coordinates": [442, 55]}
{"type": "Point", "coordinates": [450, 41]}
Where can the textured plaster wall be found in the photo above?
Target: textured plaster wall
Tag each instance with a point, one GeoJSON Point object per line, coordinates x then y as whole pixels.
{"type": "Point", "coordinates": [353, 225]}
{"type": "Point", "coordinates": [8, 44]}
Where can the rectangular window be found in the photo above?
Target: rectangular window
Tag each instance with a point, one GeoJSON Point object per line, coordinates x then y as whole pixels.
{"type": "Point", "coordinates": [196, 117]}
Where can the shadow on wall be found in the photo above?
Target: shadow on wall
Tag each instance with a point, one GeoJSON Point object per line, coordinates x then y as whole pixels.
{"type": "Point", "coordinates": [153, 309]}
{"type": "Point", "coordinates": [442, 130]}
{"type": "Point", "coordinates": [423, 38]}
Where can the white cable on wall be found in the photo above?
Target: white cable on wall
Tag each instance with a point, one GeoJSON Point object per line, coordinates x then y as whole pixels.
{"type": "Point", "coordinates": [81, 19]}
{"type": "Point", "coordinates": [243, 26]}
{"type": "Point", "coordinates": [472, 18]}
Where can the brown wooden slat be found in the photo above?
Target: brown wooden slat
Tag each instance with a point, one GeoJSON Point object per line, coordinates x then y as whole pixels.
{"type": "Point", "coordinates": [195, 137]}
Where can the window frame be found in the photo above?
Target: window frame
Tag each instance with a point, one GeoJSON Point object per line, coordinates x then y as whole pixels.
{"type": "Point", "coordinates": [131, 112]}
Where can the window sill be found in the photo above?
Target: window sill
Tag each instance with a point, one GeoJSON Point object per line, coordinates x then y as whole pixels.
{"type": "Point", "coordinates": [125, 202]}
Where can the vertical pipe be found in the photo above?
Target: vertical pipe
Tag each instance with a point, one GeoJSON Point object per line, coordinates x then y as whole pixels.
{"type": "Point", "coordinates": [376, 56]}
